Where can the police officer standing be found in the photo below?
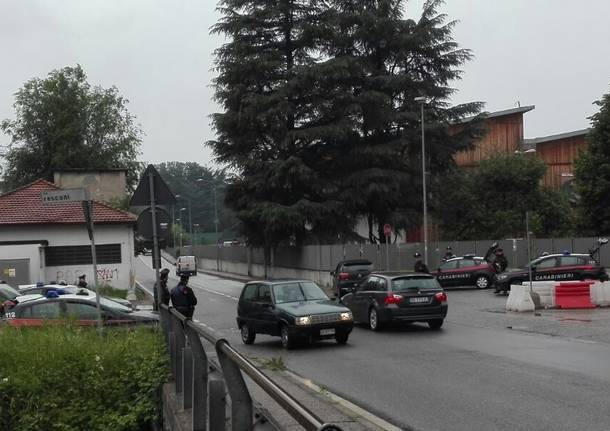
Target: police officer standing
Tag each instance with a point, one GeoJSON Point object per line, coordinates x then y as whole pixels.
{"type": "Point", "coordinates": [420, 266]}
{"type": "Point", "coordinates": [81, 281]}
{"type": "Point", "coordinates": [183, 298]}
{"type": "Point", "coordinates": [163, 278]}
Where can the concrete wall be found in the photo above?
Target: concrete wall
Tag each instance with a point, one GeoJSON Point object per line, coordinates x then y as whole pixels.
{"type": "Point", "coordinates": [119, 275]}
{"type": "Point", "coordinates": [33, 252]}
{"type": "Point", "coordinates": [314, 262]}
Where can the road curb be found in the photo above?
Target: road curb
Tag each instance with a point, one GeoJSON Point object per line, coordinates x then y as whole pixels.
{"type": "Point", "coordinates": [359, 412]}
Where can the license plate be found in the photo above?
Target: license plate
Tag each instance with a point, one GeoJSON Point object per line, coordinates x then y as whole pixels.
{"type": "Point", "coordinates": [327, 331]}
{"type": "Point", "coordinates": [418, 300]}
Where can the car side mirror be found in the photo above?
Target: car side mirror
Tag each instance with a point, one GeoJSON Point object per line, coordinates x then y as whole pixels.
{"type": "Point", "coordinates": [533, 267]}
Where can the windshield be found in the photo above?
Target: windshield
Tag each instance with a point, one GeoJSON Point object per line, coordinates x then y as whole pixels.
{"type": "Point", "coordinates": [404, 284]}
{"type": "Point", "coordinates": [296, 292]}
{"type": "Point", "coordinates": [8, 292]}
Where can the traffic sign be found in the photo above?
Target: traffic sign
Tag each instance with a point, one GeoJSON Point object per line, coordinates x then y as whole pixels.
{"type": "Point", "coordinates": [64, 195]}
{"type": "Point", "coordinates": [163, 195]}
{"type": "Point", "coordinates": [387, 229]}
{"type": "Point", "coordinates": [145, 225]}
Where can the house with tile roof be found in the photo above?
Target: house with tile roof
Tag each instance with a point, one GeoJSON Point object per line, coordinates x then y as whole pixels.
{"type": "Point", "coordinates": [49, 242]}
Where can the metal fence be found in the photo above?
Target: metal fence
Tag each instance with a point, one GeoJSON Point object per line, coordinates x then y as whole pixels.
{"type": "Point", "coordinates": [399, 256]}
{"type": "Point", "coordinates": [204, 392]}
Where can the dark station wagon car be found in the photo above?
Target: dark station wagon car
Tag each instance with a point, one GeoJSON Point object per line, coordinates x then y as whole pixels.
{"type": "Point", "coordinates": [348, 273]}
{"type": "Point", "coordinates": [385, 297]}
{"type": "Point", "coordinates": [293, 310]}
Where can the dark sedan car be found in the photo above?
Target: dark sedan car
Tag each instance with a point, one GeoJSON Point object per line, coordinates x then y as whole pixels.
{"type": "Point", "coordinates": [386, 297]}
{"type": "Point", "coordinates": [348, 273]}
{"type": "Point", "coordinates": [83, 310]}
{"type": "Point", "coordinates": [554, 267]}
{"type": "Point", "coordinates": [291, 309]}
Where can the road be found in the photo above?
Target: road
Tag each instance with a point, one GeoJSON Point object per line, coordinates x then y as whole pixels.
{"type": "Point", "coordinates": [485, 370]}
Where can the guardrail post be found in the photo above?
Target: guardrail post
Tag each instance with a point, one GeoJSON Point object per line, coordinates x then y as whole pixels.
{"type": "Point", "coordinates": [187, 378]}
{"type": "Point", "coordinates": [199, 412]}
{"type": "Point", "coordinates": [241, 402]}
{"type": "Point", "coordinates": [216, 405]}
{"type": "Point", "coordinates": [179, 342]}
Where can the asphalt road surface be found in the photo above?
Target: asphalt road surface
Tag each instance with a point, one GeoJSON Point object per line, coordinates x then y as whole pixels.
{"type": "Point", "coordinates": [485, 370]}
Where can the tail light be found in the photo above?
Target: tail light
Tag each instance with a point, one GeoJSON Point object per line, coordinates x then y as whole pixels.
{"type": "Point", "coordinates": [441, 297]}
{"type": "Point", "coordinates": [392, 299]}
{"type": "Point", "coordinates": [344, 276]}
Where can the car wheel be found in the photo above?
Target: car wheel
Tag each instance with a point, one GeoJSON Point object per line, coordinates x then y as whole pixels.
{"type": "Point", "coordinates": [435, 324]}
{"type": "Point", "coordinates": [287, 338]}
{"type": "Point", "coordinates": [374, 322]}
{"type": "Point", "coordinates": [341, 337]}
{"type": "Point", "coordinates": [482, 282]}
{"type": "Point", "coordinates": [247, 334]}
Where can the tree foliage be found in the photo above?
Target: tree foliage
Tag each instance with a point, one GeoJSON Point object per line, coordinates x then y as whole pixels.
{"type": "Point", "coordinates": [490, 201]}
{"type": "Point", "coordinates": [319, 119]}
{"type": "Point", "coordinates": [592, 173]}
{"type": "Point", "coordinates": [62, 122]}
{"type": "Point", "coordinates": [182, 179]}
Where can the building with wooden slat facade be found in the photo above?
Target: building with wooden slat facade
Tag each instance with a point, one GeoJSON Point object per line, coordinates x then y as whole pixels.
{"type": "Point", "coordinates": [558, 153]}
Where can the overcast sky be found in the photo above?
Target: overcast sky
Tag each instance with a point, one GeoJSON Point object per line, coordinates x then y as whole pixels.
{"type": "Point", "coordinates": [550, 53]}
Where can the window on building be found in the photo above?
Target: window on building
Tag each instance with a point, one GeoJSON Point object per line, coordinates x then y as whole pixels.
{"type": "Point", "coordinates": [81, 255]}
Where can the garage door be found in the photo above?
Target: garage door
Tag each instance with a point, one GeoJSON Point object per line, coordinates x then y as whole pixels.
{"type": "Point", "coordinates": [15, 271]}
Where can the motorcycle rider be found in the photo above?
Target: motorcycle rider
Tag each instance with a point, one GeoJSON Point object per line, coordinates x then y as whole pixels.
{"type": "Point", "coordinates": [500, 261]}
{"type": "Point", "coordinates": [420, 266]}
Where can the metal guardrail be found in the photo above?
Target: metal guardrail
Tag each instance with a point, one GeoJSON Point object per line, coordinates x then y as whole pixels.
{"type": "Point", "coordinates": [204, 394]}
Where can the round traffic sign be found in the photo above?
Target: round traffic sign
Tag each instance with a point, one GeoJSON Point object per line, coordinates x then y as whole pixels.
{"type": "Point", "coordinates": [387, 229]}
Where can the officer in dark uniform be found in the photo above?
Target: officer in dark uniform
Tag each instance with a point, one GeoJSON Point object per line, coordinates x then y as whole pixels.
{"type": "Point", "coordinates": [183, 298]}
{"type": "Point", "coordinates": [420, 266]}
{"type": "Point", "coordinates": [81, 281]}
{"type": "Point", "coordinates": [163, 278]}
{"type": "Point", "coordinates": [448, 254]}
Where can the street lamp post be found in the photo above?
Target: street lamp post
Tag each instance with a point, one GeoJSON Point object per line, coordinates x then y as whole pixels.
{"type": "Point", "coordinates": [422, 101]}
{"type": "Point", "coordinates": [180, 220]}
{"type": "Point", "coordinates": [188, 201]}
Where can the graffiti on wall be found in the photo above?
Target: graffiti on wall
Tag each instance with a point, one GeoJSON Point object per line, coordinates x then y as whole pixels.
{"type": "Point", "coordinates": [104, 275]}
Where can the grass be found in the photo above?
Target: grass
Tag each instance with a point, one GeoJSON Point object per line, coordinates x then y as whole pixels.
{"type": "Point", "coordinates": [274, 364]}
{"type": "Point", "coordinates": [69, 378]}
{"type": "Point", "coordinates": [113, 292]}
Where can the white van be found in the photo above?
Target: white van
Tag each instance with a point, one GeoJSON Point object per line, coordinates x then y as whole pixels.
{"type": "Point", "coordinates": [186, 265]}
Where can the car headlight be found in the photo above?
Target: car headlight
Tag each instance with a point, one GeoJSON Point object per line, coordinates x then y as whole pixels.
{"type": "Point", "coordinates": [302, 321]}
{"type": "Point", "coordinates": [346, 316]}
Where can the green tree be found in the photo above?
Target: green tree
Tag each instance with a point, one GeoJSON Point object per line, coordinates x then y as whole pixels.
{"type": "Point", "coordinates": [489, 202]}
{"type": "Point", "coordinates": [319, 119]}
{"type": "Point", "coordinates": [194, 186]}
{"type": "Point", "coordinates": [391, 61]}
{"type": "Point", "coordinates": [63, 122]}
{"type": "Point", "coordinates": [592, 174]}
{"type": "Point", "coordinates": [277, 117]}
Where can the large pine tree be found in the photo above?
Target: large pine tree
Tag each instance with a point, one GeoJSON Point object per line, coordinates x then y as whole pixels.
{"type": "Point", "coordinates": [276, 116]}
{"type": "Point", "coordinates": [319, 118]}
{"type": "Point", "coordinates": [394, 60]}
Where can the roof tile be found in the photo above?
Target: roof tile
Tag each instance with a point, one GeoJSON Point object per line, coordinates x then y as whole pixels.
{"type": "Point", "coordinates": [24, 206]}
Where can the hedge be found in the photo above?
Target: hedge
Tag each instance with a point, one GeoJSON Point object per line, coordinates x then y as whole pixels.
{"type": "Point", "coordinates": [68, 378]}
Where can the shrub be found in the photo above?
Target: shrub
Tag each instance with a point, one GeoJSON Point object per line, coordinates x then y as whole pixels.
{"type": "Point", "coordinates": [67, 378]}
